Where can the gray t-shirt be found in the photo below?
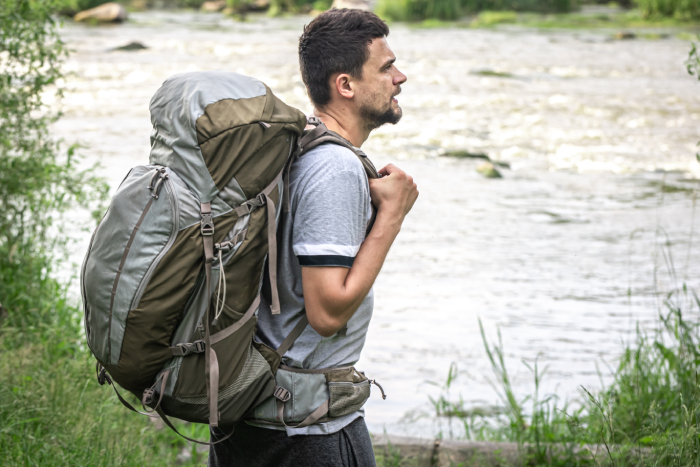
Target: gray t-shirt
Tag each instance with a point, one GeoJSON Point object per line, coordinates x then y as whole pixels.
{"type": "Point", "coordinates": [329, 211]}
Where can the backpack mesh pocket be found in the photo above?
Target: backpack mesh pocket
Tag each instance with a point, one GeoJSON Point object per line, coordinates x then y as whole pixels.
{"type": "Point", "coordinates": [347, 397]}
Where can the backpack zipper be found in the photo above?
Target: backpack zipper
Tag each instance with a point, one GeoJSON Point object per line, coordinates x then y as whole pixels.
{"type": "Point", "coordinates": [176, 217]}
{"type": "Point", "coordinates": [84, 266]}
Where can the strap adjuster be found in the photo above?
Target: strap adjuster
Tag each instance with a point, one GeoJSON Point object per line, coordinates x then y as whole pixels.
{"type": "Point", "coordinates": [207, 224]}
{"type": "Point", "coordinates": [282, 394]}
{"type": "Point", "coordinates": [188, 348]}
{"type": "Point", "coordinates": [102, 376]}
{"type": "Point", "coordinates": [148, 396]}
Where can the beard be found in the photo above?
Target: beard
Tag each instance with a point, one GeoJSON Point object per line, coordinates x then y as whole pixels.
{"type": "Point", "coordinates": [374, 118]}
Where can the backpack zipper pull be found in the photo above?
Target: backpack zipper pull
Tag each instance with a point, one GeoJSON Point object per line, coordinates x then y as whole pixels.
{"type": "Point", "coordinates": [159, 173]}
{"type": "Point", "coordinates": [159, 185]}
{"type": "Point", "coordinates": [374, 381]}
{"type": "Point", "coordinates": [153, 180]}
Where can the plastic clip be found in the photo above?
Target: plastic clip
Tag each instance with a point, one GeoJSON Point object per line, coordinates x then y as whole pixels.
{"type": "Point", "coordinates": [282, 394]}
{"type": "Point", "coordinates": [102, 376]}
{"type": "Point", "coordinates": [207, 224]}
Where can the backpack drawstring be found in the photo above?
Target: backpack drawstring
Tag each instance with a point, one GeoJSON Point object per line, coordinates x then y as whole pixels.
{"type": "Point", "coordinates": [222, 280]}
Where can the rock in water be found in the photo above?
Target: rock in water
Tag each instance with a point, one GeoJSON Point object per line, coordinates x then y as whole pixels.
{"type": "Point", "coordinates": [488, 170]}
{"type": "Point", "coordinates": [352, 4]}
{"type": "Point", "coordinates": [259, 5]}
{"type": "Point", "coordinates": [213, 6]}
{"type": "Point", "coordinates": [466, 155]}
{"type": "Point", "coordinates": [131, 46]}
{"type": "Point", "coordinates": [107, 13]}
{"type": "Point", "coordinates": [624, 35]}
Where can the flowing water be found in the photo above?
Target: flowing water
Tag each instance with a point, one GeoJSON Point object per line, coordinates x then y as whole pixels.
{"type": "Point", "coordinates": [600, 136]}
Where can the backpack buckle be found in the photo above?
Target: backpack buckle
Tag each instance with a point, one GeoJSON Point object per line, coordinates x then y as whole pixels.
{"type": "Point", "coordinates": [207, 225]}
{"type": "Point", "coordinates": [188, 348]}
{"type": "Point", "coordinates": [282, 394]}
{"type": "Point", "coordinates": [102, 376]}
{"type": "Point", "coordinates": [260, 199]}
{"type": "Point", "coordinates": [148, 396]}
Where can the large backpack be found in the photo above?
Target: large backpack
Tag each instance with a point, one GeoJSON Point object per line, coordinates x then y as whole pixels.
{"type": "Point", "coordinates": [172, 278]}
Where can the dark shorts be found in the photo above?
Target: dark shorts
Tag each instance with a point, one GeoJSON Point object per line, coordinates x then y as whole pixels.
{"type": "Point", "coordinates": [261, 447]}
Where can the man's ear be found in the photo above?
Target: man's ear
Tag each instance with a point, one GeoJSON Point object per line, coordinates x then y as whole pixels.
{"type": "Point", "coordinates": [344, 85]}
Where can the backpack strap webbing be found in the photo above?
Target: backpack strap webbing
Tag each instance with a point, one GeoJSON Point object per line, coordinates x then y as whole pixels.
{"type": "Point", "coordinates": [321, 135]}
{"type": "Point", "coordinates": [313, 417]}
{"type": "Point", "coordinates": [211, 366]}
{"type": "Point", "coordinates": [293, 336]}
{"type": "Point", "coordinates": [172, 427]}
{"type": "Point", "coordinates": [103, 377]}
{"type": "Point", "coordinates": [282, 395]}
{"type": "Point", "coordinates": [185, 349]}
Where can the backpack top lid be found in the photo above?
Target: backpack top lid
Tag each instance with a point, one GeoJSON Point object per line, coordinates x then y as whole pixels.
{"type": "Point", "coordinates": [178, 129]}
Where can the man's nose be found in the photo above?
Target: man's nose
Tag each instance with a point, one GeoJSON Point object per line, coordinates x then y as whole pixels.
{"type": "Point", "coordinates": [399, 78]}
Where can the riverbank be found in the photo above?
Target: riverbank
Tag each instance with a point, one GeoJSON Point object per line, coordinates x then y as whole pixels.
{"type": "Point", "coordinates": [54, 413]}
{"type": "Point", "coordinates": [588, 17]}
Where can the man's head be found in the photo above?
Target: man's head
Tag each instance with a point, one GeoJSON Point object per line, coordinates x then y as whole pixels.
{"type": "Point", "coordinates": [346, 63]}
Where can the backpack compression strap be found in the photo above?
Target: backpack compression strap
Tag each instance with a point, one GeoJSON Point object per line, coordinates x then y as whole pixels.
{"type": "Point", "coordinates": [211, 367]}
{"type": "Point", "coordinates": [103, 377]}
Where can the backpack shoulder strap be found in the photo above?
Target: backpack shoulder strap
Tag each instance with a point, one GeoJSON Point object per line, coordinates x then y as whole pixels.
{"type": "Point", "coordinates": [320, 135]}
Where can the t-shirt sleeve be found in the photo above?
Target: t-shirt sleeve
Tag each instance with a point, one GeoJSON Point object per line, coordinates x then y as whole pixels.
{"type": "Point", "coordinates": [330, 218]}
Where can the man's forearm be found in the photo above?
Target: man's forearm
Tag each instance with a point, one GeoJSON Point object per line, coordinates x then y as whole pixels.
{"type": "Point", "coordinates": [333, 294]}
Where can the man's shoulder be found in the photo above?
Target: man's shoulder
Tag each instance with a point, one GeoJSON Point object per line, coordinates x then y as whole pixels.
{"type": "Point", "coordinates": [330, 158]}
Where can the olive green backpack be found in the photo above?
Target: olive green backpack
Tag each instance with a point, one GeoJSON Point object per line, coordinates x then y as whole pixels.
{"type": "Point", "coordinates": [171, 281]}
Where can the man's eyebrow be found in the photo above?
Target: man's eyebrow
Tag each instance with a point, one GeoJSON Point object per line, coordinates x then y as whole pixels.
{"type": "Point", "coordinates": [388, 62]}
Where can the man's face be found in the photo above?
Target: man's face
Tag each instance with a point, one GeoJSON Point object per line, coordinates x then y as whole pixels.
{"type": "Point", "coordinates": [380, 84]}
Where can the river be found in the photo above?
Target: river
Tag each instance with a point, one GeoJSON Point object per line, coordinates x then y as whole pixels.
{"type": "Point", "coordinates": [600, 136]}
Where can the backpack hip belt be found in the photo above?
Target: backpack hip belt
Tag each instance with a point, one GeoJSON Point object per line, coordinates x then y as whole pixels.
{"type": "Point", "coordinates": [328, 393]}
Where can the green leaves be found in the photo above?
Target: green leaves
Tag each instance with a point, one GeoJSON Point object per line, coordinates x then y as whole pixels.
{"type": "Point", "coordinates": [40, 183]}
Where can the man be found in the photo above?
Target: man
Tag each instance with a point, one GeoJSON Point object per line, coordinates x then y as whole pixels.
{"type": "Point", "coordinates": [326, 266]}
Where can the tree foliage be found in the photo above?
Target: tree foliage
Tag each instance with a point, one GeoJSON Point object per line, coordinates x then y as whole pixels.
{"type": "Point", "coordinates": [41, 185]}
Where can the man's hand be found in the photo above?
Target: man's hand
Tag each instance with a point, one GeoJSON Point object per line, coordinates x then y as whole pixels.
{"type": "Point", "coordinates": [333, 294]}
{"type": "Point", "coordinates": [394, 194]}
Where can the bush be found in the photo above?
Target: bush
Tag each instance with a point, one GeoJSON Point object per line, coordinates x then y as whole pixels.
{"type": "Point", "coordinates": [39, 181]}
{"type": "Point", "coordinates": [71, 7]}
{"type": "Point", "coordinates": [678, 9]}
{"type": "Point", "coordinates": [413, 10]}
{"type": "Point", "coordinates": [52, 410]}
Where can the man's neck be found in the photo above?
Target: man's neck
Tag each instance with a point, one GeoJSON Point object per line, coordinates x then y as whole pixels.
{"type": "Point", "coordinates": [347, 126]}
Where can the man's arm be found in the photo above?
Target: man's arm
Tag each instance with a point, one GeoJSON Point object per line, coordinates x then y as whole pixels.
{"type": "Point", "coordinates": [333, 294]}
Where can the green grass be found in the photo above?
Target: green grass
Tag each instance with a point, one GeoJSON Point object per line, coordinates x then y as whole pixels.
{"type": "Point", "coordinates": [633, 19]}
{"type": "Point", "coordinates": [418, 10]}
{"type": "Point", "coordinates": [679, 9]}
{"type": "Point", "coordinates": [648, 416]}
{"type": "Point", "coordinates": [54, 413]}
{"type": "Point", "coordinates": [629, 19]}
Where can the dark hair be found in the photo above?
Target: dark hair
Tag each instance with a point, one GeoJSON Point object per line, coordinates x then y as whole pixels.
{"type": "Point", "coordinates": [336, 41]}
